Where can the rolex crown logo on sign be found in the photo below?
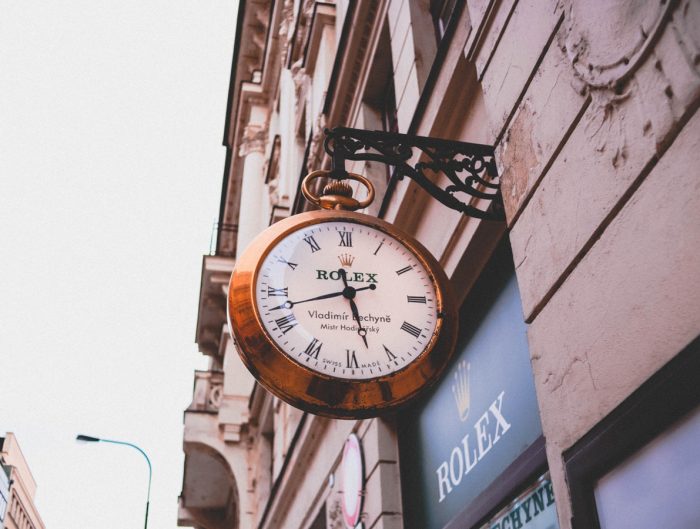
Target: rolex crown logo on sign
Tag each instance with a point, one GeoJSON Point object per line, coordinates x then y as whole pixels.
{"type": "Point", "coordinates": [346, 259]}
{"type": "Point", "coordinates": [460, 389]}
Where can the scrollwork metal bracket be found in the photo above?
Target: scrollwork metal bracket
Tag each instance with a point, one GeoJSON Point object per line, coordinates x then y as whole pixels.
{"type": "Point", "coordinates": [469, 167]}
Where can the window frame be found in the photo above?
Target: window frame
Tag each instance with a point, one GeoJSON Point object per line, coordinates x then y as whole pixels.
{"type": "Point", "coordinates": [442, 12]}
{"type": "Point", "coordinates": [659, 403]}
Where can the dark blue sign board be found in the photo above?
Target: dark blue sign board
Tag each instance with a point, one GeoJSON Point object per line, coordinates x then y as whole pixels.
{"type": "Point", "coordinates": [482, 416]}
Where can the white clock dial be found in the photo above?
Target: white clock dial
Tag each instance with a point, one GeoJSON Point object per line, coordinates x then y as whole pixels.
{"type": "Point", "coordinates": [314, 285]}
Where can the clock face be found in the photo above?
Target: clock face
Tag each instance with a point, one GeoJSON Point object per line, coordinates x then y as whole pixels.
{"type": "Point", "coordinates": [341, 314]}
{"type": "Point", "coordinates": [346, 300]}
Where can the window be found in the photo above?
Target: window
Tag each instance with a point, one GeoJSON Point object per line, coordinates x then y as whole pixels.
{"type": "Point", "coordinates": [390, 122]}
{"type": "Point", "coordinates": [639, 466]}
{"type": "Point", "coordinates": [441, 11]}
{"type": "Point", "coordinates": [659, 486]}
{"type": "Point", "coordinates": [490, 446]}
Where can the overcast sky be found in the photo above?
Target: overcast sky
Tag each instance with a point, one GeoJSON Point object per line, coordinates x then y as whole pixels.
{"type": "Point", "coordinates": [111, 121]}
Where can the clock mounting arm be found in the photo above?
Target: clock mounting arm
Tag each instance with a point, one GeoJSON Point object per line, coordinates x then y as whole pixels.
{"type": "Point", "coordinates": [469, 167]}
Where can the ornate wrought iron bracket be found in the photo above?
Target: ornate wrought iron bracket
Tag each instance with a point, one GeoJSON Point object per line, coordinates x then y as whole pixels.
{"type": "Point", "coordinates": [469, 167]}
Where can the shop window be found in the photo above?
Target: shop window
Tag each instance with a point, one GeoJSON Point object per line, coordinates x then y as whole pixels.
{"type": "Point", "coordinates": [640, 466]}
{"type": "Point", "coordinates": [488, 456]}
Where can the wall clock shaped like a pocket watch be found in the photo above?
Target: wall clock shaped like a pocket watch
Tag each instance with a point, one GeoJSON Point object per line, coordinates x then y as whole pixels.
{"type": "Point", "coordinates": [340, 313]}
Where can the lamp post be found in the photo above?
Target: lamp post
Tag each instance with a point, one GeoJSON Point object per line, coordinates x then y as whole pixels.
{"type": "Point", "coordinates": [90, 439]}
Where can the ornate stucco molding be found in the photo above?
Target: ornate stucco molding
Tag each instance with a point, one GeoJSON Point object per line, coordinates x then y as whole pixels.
{"type": "Point", "coordinates": [633, 57]}
{"type": "Point", "coordinates": [301, 84]}
{"type": "Point", "coordinates": [316, 148]}
{"type": "Point", "coordinates": [286, 30]}
{"type": "Point", "coordinates": [607, 42]}
{"type": "Point", "coordinates": [254, 139]}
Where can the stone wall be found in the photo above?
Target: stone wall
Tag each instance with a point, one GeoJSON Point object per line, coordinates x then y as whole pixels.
{"type": "Point", "coordinates": [594, 108]}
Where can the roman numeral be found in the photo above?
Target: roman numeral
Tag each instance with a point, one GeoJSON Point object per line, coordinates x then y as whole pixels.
{"type": "Point", "coordinates": [416, 299]}
{"type": "Point", "coordinates": [312, 243]}
{"type": "Point", "coordinates": [404, 270]}
{"type": "Point", "coordinates": [345, 238]}
{"type": "Point", "coordinates": [286, 323]}
{"type": "Point", "coordinates": [313, 348]}
{"type": "Point", "coordinates": [410, 329]}
{"type": "Point", "coordinates": [391, 355]}
{"type": "Point", "coordinates": [290, 265]}
{"type": "Point", "coordinates": [277, 291]}
{"type": "Point", "coordinates": [351, 359]}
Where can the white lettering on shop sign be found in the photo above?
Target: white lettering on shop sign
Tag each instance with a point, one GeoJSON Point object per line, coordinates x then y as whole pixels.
{"type": "Point", "coordinates": [488, 429]}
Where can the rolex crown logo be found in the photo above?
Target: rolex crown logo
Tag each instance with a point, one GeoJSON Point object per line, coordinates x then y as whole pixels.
{"type": "Point", "coordinates": [460, 389]}
{"type": "Point", "coordinates": [346, 259]}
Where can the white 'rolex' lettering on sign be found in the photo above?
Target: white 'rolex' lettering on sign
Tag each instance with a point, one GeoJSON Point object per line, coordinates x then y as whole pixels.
{"type": "Point", "coordinates": [488, 430]}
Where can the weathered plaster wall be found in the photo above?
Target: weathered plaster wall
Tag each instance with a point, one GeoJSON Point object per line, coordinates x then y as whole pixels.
{"type": "Point", "coordinates": [592, 107]}
{"type": "Point", "coordinates": [629, 306]}
{"type": "Point", "coordinates": [599, 160]}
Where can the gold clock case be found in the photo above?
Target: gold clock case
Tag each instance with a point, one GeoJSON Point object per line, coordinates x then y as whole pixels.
{"type": "Point", "coordinates": [316, 392]}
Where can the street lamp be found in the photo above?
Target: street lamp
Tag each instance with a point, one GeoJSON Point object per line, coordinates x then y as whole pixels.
{"type": "Point", "coordinates": [90, 439]}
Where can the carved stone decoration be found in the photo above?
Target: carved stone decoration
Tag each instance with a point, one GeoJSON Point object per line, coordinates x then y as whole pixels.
{"type": "Point", "coordinates": [253, 139]}
{"type": "Point", "coordinates": [634, 54]}
{"type": "Point", "coordinates": [286, 29]}
{"type": "Point", "coordinates": [301, 84]}
{"type": "Point", "coordinates": [605, 129]}
{"type": "Point", "coordinates": [608, 40]}
{"type": "Point", "coordinates": [686, 22]}
{"type": "Point", "coordinates": [272, 172]}
{"type": "Point", "coordinates": [215, 395]}
{"type": "Point", "coordinates": [303, 26]}
{"type": "Point", "coordinates": [252, 48]}
{"type": "Point", "coordinates": [316, 147]}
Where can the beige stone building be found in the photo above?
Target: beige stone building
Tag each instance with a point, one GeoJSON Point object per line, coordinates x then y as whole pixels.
{"type": "Point", "coordinates": [580, 313]}
{"type": "Point", "coordinates": [21, 513]}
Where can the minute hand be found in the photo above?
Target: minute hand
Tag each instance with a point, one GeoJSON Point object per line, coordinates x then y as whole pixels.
{"type": "Point", "coordinates": [289, 304]}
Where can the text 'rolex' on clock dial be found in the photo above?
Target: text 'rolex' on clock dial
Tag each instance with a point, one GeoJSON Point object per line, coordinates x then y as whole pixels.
{"type": "Point", "coordinates": [346, 300]}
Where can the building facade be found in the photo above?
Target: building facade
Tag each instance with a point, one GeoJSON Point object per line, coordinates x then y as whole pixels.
{"type": "Point", "coordinates": [4, 490]}
{"type": "Point", "coordinates": [21, 513]}
{"type": "Point", "coordinates": [574, 378]}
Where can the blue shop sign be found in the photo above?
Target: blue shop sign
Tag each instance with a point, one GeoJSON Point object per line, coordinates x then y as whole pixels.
{"type": "Point", "coordinates": [481, 417]}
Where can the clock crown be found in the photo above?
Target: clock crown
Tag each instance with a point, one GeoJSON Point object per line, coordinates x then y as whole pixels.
{"type": "Point", "coordinates": [460, 389]}
{"type": "Point", "coordinates": [346, 259]}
